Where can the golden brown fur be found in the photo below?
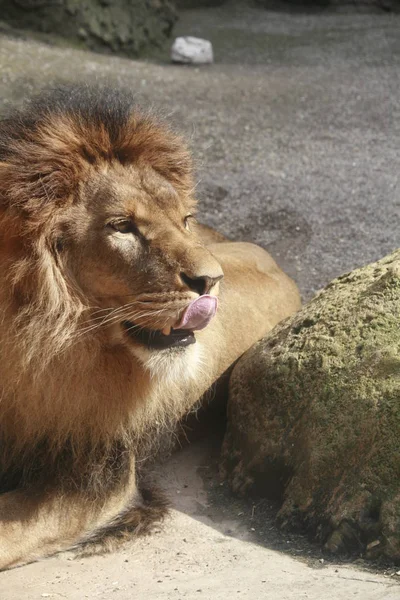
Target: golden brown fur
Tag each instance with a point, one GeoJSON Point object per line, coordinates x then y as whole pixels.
{"type": "Point", "coordinates": [80, 399]}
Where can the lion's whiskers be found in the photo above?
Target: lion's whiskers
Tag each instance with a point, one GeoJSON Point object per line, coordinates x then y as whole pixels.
{"type": "Point", "coordinates": [110, 312]}
{"type": "Point", "coordinates": [97, 314]}
{"type": "Point", "coordinates": [120, 314]}
{"type": "Point", "coordinates": [103, 317]}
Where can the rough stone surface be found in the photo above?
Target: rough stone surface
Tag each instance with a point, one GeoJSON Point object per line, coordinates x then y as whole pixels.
{"type": "Point", "coordinates": [314, 414]}
{"type": "Point", "coordinates": [122, 26]}
{"type": "Point", "coordinates": [192, 50]}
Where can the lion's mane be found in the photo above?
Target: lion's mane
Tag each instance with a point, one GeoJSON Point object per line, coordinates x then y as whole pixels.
{"type": "Point", "coordinates": [66, 405]}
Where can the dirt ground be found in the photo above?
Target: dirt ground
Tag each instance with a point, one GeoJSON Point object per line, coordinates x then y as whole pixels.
{"type": "Point", "coordinates": [212, 547]}
{"type": "Point", "coordinates": [295, 129]}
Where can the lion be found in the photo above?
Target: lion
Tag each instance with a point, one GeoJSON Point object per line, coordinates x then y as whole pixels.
{"type": "Point", "coordinates": [110, 331]}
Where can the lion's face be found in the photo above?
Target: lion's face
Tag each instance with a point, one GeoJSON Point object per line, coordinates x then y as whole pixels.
{"type": "Point", "coordinates": [95, 211]}
{"type": "Point", "coordinates": [129, 246]}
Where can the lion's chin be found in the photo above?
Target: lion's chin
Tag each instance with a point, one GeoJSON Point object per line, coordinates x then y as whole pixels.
{"type": "Point", "coordinates": [157, 340]}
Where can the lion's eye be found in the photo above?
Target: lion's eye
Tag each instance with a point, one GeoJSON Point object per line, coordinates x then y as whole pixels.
{"type": "Point", "coordinates": [186, 221]}
{"type": "Point", "coordinates": [125, 226]}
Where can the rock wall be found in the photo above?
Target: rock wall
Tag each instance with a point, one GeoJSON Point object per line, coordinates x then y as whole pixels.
{"type": "Point", "coordinates": [128, 27]}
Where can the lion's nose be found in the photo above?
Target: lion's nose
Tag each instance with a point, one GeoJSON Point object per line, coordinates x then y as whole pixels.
{"type": "Point", "coordinates": [202, 284]}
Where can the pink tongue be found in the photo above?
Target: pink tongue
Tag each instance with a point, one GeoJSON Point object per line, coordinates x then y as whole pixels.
{"type": "Point", "coordinates": [199, 313]}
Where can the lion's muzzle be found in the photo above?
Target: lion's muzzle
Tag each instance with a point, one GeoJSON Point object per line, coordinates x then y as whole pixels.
{"type": "Point", "coordinates": [195, 316]}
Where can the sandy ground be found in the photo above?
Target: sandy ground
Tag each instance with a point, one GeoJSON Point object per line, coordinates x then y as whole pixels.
{"type": "Point", "coordinates": [206, 549]}
{"type": "Point", "coordinates": [295, 130]}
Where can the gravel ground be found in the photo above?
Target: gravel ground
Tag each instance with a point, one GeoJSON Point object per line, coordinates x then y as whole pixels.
{"type": "Point", "coordinates": [295, 129]}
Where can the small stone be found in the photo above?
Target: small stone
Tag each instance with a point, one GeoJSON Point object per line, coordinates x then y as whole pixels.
{"type": "Point", "coordinates": [192, 50]}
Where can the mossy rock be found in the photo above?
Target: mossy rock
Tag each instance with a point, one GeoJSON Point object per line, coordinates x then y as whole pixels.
{"type": "Point", "coordinates": [314, 415]}
{"type": "Point", "coordinates": [129, 27]}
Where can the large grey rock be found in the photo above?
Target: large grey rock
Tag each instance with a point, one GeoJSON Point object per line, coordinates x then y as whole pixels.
{"type": "Point", "coordinates": [314, 414]}
{"type": "Point", "coordinates": [128, 27]}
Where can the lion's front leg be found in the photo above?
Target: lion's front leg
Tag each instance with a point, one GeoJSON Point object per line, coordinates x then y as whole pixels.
{"type": "Point", "coordinates": [36, 524]}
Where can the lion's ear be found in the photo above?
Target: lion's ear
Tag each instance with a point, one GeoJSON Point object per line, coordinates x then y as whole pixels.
{"type": "Point", "coordinates": [40, 164]}
{"type": "Point", "coordinates": [34, 182]}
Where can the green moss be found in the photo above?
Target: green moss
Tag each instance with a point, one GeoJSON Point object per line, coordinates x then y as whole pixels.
{"type": "Point", "coordinates": [324, 399]}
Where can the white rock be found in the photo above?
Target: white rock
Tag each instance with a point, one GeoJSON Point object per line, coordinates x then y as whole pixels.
{"type": "Point", "coordinates": [192, 50]}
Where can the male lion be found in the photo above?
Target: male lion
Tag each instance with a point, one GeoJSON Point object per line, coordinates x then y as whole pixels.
{"type": "Point", "coordinates": [107, 291]}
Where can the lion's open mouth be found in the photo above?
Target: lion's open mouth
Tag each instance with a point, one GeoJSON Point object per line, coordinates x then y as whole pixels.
{"type": "Point", "coordinates": [156, 340]}
{"type": "Point", "coordinates": [195, 316]}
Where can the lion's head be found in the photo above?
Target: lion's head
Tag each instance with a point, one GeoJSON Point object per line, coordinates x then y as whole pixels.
{"type": "Point", "coordinates": [96, 248]}
{"type": "Point", "coordinates": [100, 197]}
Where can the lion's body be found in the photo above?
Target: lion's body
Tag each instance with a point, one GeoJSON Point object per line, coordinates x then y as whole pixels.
{"type": "Point", "coordinates": [80, 399]}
